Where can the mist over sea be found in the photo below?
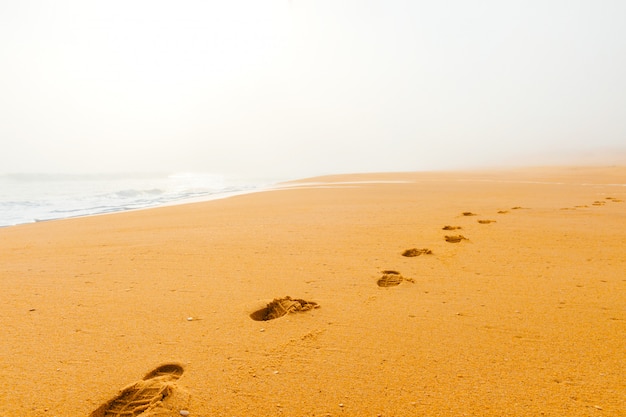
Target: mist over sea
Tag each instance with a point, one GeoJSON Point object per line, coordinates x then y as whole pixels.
{"type": "Point", "coordinates": [27, 198]}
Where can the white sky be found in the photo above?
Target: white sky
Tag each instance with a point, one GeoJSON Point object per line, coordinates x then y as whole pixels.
{"type": "Point", "coordinates": [306, 87]}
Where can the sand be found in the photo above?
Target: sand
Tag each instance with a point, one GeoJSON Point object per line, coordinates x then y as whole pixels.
{"type": "Point", "coordinates": [524, 316]}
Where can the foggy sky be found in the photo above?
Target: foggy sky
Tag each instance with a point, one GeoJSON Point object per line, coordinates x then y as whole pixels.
{"type": "Point", "coordinates": [307, 87]}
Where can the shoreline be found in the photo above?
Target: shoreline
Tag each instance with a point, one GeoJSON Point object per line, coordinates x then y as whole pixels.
{"type": "Point", "coordinates": [175, 202]}
{"type": "Point", "coordinates": [43, 197]}
{"type": "Point", "coordinates": [522, 315]}
{"type": "Point", "coordinates": [469, 174]}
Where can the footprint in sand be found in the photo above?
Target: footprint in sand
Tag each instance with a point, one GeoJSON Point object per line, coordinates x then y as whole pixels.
{"type": "Point", "coordinates": [455, 238]}
{"type": "Point", "coordinates": [469, 213]}
{"type": "Point", "coordinates": [486, 221]}
{"type": "Point", "coordinates": [145, 397]}
{"type": "Point", "coordinates": [282, 306]}
{"type": "Point", "coordinates": [615, 200]}
{"type": "Point", "coordinates": [451, 227]}
{"type": "Point", "coordinates": [409, 253]}
{"type": "Point", "coordinates": [392, 279]}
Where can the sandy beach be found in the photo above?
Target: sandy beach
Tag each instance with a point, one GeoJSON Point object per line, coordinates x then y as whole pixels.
{"type": "Point", "coordinates": [518, 308]}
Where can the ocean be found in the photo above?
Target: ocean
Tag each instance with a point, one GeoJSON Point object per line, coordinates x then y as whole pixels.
{"type": "Point", "coordinates": [27, 198]}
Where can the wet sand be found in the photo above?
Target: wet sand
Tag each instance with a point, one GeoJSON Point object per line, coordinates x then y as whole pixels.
{"type": "Point", "coordinates": [519, 309]}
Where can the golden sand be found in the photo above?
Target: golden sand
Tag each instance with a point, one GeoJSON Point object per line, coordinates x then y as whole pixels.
{"type": "Point", "coordinates": [524, 316]}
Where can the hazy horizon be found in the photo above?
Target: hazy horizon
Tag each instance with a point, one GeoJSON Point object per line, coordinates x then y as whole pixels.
{"type": "Point", "coordinates": [302, 88]}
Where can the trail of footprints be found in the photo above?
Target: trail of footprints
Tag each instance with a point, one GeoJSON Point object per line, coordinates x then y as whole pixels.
{"type": "Point", "coordinates": [148, 397]}
{"type": "Point", "coordinates": [391, 278]}
{"type": "Point", "coordinates": [280, 307]}
{"type": "Point", "coordinates": [597, 203]}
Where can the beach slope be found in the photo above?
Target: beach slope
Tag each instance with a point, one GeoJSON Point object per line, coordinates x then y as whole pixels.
{"type": "Point", "coordinates": [510, 301]}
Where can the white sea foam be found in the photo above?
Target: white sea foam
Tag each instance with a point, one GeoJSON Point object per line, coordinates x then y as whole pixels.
{"type": "Point", "coordinates": [26, 198]}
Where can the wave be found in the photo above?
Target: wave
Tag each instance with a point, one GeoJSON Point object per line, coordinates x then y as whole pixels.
{"type": "Point", "coordinates": [130, 193]}
{"type": "Point", "coordinates": [26, 198]}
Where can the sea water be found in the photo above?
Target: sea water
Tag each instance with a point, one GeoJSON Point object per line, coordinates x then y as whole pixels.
{"type": "Point", "coordinates": [26, 198]}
